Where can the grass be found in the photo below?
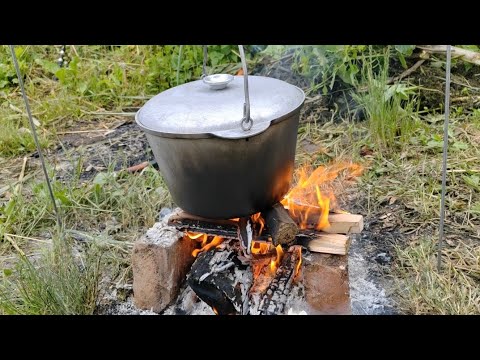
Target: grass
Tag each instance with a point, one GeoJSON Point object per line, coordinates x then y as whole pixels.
{"type": "Point", "coordinates": [399, 146]}
{"type": "Point", "coordinates": [455, 290]}
{"type": "Point", "coordinates": [97, 79]}
{"type": "Point", "coordinates": [390, 109]}
{"type": "Point", "coordinates": [57, 283]}
{"type": "Point", "coordinates": [115, 201]}
{"type": "Point", "coordinates": [108, 211]}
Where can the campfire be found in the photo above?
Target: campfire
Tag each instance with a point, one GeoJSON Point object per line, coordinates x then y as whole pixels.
{"type": "Point", "coordinates": [252, 265]}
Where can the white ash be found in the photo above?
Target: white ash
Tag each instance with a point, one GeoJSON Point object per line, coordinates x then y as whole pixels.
{"type": "Point", "coordinates": [161, 233]}
{"type": "Point", "coordinates": [126, 308]}
{"type": "Point", "coordinates": [296, 303]}
{"type": "Point", "coordinates": [189, 304]}
{"type": "Point", "coordinates": [367, 297]}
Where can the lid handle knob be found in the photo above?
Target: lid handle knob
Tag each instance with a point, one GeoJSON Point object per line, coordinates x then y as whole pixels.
{"type": "Point", "coordinates": [246, 122]}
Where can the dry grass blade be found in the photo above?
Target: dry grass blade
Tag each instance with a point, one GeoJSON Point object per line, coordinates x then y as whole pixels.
{"type": "Point", "coordinates": [455, 290]}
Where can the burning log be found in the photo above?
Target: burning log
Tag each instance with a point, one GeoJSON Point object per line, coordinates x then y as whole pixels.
{"type": "Point", "coordinates": [280, 225]}
{"type": "Point", "coordinates": [337, 244]}
{"type": "Point", "coordinates": [273, 299]}
{"type": "Point", "coordinates": [226, 228]}
{"type": "Point", "coordinates": [221, 281]}
{"type": "Point", "coordinates": [337, 223]}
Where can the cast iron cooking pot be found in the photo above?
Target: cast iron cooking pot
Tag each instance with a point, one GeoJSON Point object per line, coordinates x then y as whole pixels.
{"type": "Point", "coordinates": [223, 154]}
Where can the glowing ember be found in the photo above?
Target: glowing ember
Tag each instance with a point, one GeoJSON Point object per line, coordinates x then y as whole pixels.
{"type": "Point", "coordinates": [260, 247]}
{"type": "Point", "coordinates": [309, 202]}
{"type": "Point", "coordinates": [274, 263]}
{"type": "Point", "coordinates": [203, 239]}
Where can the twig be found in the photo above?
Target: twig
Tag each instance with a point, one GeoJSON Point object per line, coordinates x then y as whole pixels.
{"type": "Point", "coordinates": [81, 131]}
{"type": "Point", "coordinates": [29, 238]}
{"type": "Point", "coordinates": [466, 98]}
{"type": "Point", "coordinates": [18, 187]}
{"type": "Point", "coordinates": [14, 244]}
{"type": "Point", "coordinates": [466, 55]}
{"type": "Point", "coordinates": [406, 72]}
{"type": "Point", "coordinates": [463, 171]}
{"type": "Point", "coordinates": [109, 113]}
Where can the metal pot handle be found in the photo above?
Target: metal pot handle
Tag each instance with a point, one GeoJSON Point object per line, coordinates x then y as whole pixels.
{"type": "Point", "coordinates": [247, 121]}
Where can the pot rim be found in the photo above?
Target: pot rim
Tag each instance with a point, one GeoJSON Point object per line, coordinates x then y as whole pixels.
{"type": "Point", "coordinates": [224, 134]}
{"type": "Point", "coordinates": [191, 110]}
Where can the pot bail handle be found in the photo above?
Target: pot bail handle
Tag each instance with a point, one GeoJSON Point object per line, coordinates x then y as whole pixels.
{"type": "Point", "coordinates": [247, 121]}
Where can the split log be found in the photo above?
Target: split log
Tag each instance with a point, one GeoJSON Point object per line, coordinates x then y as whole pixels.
{"type": "Point", "coordinates": [221, 281]}
{"type": "Point", "coordinates": [280, 225]}
{"type": "Point", "coordinates": [344, 224]}
{"type": "Point", "coordinates": [273, 300]}
{"type": "Point", "coordinates": [337, 244]}
{"type": "Point", "coordinates": [339, 223]}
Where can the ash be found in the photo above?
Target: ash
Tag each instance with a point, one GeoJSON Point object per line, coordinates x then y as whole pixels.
{"type": "Point", "coordinates": [368, 294]}
{"type": "Point", "coordinates": [126, 308]}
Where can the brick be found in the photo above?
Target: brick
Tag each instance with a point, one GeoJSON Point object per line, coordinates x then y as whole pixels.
{"type": "Point", "coordinates": [326, 284]}
{"type": "Point", "coordinates": [160, 261]}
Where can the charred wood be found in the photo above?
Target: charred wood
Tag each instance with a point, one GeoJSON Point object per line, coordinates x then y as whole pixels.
{"type": "Point", "coordinates": [280, 225]}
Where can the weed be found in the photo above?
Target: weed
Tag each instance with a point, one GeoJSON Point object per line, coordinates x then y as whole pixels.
{"type": "Point", "coordinates": [390, 109]}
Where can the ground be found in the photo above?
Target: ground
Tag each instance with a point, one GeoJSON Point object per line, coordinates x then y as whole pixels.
{"type": "Point", "coordinates": [392, 264]}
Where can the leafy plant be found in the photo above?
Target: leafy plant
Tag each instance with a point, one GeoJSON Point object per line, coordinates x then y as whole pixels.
{"type": "Point", "coordinates": [389, 108]}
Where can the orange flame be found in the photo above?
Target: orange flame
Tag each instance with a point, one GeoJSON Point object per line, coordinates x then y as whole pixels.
{"type": "Point", "coordinates": [299, 264]}
{"type": "Point", "coordinates": [203, 240]}
{"type": "Point", "coordinates": [274, 263]}
{"type": "Point", "coordinates": [215, 310]}
{"type": "Point", "coordinates": [257, 218]}
{"type": "Point", "coordinates": [260, 247]}
{"type": "Point", "coordinates": [306, 203]}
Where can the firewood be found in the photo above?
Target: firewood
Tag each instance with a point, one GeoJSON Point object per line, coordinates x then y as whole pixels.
{"type": "Point", "coordinates": [344, 224]}
{"type": "Point", "coordinates": [272, 301]}
{"type": "Point", "coordinates": [221, 281]}
{"type": "Point", "coordinates": [326, 243]}
{"type": "Point", "coordinates": [339, 223]}
{"type": "Point", "coordinates": [280, 225]}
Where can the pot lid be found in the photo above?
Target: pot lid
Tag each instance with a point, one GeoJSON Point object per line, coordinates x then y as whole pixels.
{"type": "Point", "coordinates": [196, 109]}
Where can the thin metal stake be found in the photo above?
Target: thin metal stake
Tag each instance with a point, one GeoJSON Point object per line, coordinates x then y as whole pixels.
{"type": "Point", "coordinates": [444, 165]}
{"type": "Point", "coordinates": [34, 132]}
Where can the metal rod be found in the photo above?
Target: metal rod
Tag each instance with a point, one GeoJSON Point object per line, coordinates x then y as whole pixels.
{"type": "Point", "coordinates": [34, 132]}
{"type": "Point", "coordinates": [444, 163]}
{"type": "Point", "coordinates": [246, 106]}
{"type": "Point", "coordinates": [180, 52]}
{"type": "Point", "coordinates": [205, 57]}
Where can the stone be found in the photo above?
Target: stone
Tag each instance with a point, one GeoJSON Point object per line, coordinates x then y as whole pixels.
{"type": "Point", "coordinates": [326, 284]}
{"type": "Point", "coordinates": [161, 260]}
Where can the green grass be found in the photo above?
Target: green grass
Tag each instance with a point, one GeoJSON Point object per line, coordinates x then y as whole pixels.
{"type": "Point", "coordinates": [126, 201]}
{"type": "Point", "coordinates": [390, 109]}
{"type": "Point", "coordinates": [103, 216]}
{"type": "Point", "coordinates": [454, 290]}
{"type": "Point", "coordinates": [57, 283]}
{"type": "Point", "coordinates": [107, 212]}
{"type": "Point", "coordinates": [97, 79]}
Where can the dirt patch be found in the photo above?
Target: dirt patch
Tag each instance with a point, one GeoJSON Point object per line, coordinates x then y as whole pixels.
{"type": "Point", "coordinates": [124, 146]}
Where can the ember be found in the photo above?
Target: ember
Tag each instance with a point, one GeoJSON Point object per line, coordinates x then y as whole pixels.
{"type": "Point", "coordinates": [274, 263]}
